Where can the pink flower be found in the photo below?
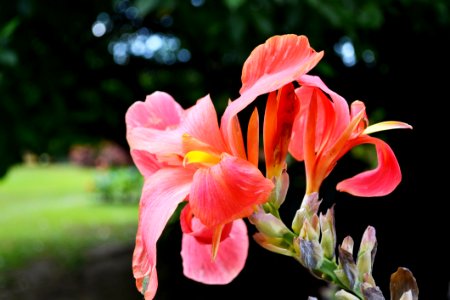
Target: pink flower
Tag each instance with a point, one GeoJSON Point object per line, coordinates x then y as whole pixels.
{"type": "Point", "coordinates": [184, 155]}
{"type": "Point", "coordinates": [325, 130]}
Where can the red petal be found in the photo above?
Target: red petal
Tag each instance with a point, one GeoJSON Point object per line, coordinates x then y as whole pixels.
{"type": "Point", "coordinates": [377, 182]}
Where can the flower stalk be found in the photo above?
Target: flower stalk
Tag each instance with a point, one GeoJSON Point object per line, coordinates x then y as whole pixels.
{"type": "Point", "coordinates": [187, 157]}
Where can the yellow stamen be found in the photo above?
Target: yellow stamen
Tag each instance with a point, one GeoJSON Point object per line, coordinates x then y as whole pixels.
{"type": "Point", "coordinates": [200, 157]}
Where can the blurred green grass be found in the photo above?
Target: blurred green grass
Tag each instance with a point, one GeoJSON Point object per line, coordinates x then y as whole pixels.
{"type": "Point", "coordinates": [51, 211]}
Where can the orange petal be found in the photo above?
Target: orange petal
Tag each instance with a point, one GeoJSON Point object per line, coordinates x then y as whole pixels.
{"type": "Point", "coordinates": [253, 138]}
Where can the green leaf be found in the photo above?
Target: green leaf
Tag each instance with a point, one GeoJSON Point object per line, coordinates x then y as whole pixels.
{"type": "Point", "coordinates": [233, 4]}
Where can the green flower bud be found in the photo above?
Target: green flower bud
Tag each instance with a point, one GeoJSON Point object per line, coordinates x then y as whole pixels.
{"type": "Point", "coordinates": [308, 208]}
{"type": "Point", "coordinates": [347, 244]}
{"type": "Point", "coordinates": [311, 229]}
{"type": "Point", "coordinates": [344, 295]}
{"type": "Point", "coordinates": [273, 233]}
{"type": "Point", "coordinates": [366, 253]}
{"type": "Point", "coordinates": [328, 240]}
{"type": "Point", "coordinates": [276, 245]}
{"type": "Point", "coordinates": [280, 190]}
{"type": "Point", "coordinates": [269, 225]}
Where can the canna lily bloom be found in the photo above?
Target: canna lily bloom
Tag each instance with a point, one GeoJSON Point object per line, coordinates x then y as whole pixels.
{"type": "Point", "coordinates": [184, 156]}
{"type": "Point", "coordinates": [326, 130]}
{"type": "Point", "coordinates": [271, 69]}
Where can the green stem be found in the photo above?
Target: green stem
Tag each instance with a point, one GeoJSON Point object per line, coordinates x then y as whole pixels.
{"type": "Point", "coordinates": [327, 273]}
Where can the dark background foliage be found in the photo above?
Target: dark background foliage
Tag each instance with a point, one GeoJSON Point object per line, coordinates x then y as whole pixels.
{"type": "Point", "coordinates": [60, 85]}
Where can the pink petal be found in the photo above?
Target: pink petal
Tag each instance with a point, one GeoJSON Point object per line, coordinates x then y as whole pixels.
{"type": "Point", "coordinates": [146, 163]}
{"type": "Point", "coordinates": [227, 191]}
{"type": "Point", "coordinates": [144, 273]}
{"type": "Point", "coordinates": [159, 111]}
{"type": "Point", "coordinates": [377, 182]}
{"type": "Point", "coordinates": [162, 192]}
{"type": "Point", "coordinates": [230, 259]}
{"type": "Point", "coordinates": [158, 142]}
{"type": "Point", "coordinates": [201, 122]}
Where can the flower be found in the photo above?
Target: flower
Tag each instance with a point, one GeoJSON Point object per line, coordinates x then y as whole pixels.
{"type": "Point", "coordinates": [326, 130]}
{"type": "Point", "coordinates": [207, 171]}
{"type": "Point", "coordinates": [273, 66]}
{"type": "Point", "coordinates": [183, 155]}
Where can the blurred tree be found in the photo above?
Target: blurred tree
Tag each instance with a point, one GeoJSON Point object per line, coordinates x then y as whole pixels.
{"type": "Point", "coordinates": [63, 83]}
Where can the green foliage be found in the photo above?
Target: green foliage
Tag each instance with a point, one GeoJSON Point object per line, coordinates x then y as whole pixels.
{"type": "Point", "coordinates": [48, 211]}
{"type": "Point", "coordinates": [118, 185]}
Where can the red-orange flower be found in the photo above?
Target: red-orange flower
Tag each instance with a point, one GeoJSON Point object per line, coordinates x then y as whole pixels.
{"type": "Point", "coordinates": [272, 67]}
{"type": "Point", "coordinates": [326, 130]}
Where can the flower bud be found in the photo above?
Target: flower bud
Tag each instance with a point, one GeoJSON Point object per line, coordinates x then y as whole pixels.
{"type": "Point", "coordinates": [280, 190]}
{"type": "Point", "coordinates": [273, 233]}
{"type": "Point", "coordinates": [407, 296]}
{"type": "Point", "coordinates": [347, 244]}
{"type": "Point", "coordinates": [311, 254]}
{"type": "Point", "coordinates": [328, 240]}
{"type": "Point", "coordinates": [344, 295]}
{"type": "Point", "coordinates": [366, 253]}
{"type": "Point", "coordinates": [371, 291]}
{"type": "Point", "coordinates": [347, 271]}
{"type": "Point", "coordinates": [403, 285]}
{"type": "Point", "coordinates": [308, 208]}
{"type": "Point", "coordinates": [269, 225]}
{"type": "Point", "coordinates": [277, 245]}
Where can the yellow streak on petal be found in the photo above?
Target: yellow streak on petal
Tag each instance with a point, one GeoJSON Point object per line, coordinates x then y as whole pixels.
{"type": "Point", "coordinates": [386, 125]}
{"type": "Point", "coordinates": [201, 157]}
